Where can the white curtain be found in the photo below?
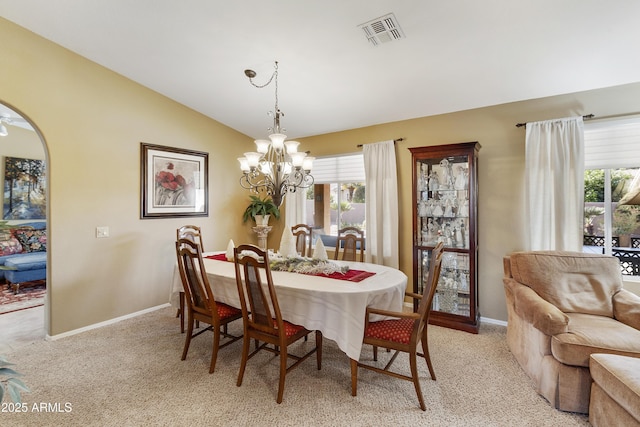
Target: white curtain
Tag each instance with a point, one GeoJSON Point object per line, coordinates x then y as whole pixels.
{"type": "Point", "coordinates": [381, 194]}
{"type": "Point", "coordinates": [554, 180]}
{"type": "Point", "coordinates": [632, 197]}
{"type": "Point", "coordinates": [294, 208]}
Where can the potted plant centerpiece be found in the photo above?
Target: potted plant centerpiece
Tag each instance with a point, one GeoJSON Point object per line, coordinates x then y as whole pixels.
{"type": "Point", "coordinates": [260, 210]}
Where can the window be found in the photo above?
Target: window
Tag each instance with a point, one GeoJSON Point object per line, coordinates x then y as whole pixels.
{"type": "Point", "coordinates": [612, 163]}
{"type": "Point", "coordinates": [337, 199]}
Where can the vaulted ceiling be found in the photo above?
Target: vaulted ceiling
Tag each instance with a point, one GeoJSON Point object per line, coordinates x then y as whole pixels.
{"type": "Point", "coordinates": [452, 55]}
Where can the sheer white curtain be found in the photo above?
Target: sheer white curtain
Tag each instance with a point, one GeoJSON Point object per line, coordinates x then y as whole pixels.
{"type": "Point", "coordinates": [381, 193]}
{"type": "Point", "coordinates": [554, 179]}
{"type": "Point", "coordinates": [294, 208]}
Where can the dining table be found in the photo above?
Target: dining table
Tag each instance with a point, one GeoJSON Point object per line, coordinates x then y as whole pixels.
{"type": "Point", "coordinates": [332, 304]}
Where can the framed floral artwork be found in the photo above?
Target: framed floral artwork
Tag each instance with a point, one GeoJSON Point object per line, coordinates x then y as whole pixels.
{"type": "Point", "coordinates": [174, 182]}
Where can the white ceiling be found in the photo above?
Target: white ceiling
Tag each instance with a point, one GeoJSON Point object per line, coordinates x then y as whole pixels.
{"type": "Point", "coordinates": [456, 54]}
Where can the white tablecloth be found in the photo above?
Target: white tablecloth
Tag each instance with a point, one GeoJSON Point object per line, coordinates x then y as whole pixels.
{"type": "Point", "coordinates": [334, 307]}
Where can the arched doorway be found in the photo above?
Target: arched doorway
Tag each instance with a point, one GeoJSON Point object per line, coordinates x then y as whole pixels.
{"type": "Point", "coordinates": [23, 230]}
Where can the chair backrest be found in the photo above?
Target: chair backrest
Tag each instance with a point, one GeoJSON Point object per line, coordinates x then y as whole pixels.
{"type": "Point", "coordinates": [303, 235]}
{"type": "Point", "coordinates": [191, 232]}
{"type": "Point", "coordinates": [199, 296]}
{"type": "Point", "coordinates": [430, 285]}
{"type": "Point", "coordinates": [349, 244]}
{"type": "Point", "coordinates": [258, 298]}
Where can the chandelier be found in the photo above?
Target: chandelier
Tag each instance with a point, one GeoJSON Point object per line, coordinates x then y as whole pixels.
{"type": "Point", "coordinates": [277, 167]}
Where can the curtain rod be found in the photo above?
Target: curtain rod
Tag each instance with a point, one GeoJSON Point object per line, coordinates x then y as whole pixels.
{"type": "Point", "coordinates": [394, 141]}
{"type": "Point", "coordinates": [585, 117]}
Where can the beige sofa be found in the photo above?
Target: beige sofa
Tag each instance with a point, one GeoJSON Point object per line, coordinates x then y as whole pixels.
{"type": "Point", "coordinates": [562, 307]}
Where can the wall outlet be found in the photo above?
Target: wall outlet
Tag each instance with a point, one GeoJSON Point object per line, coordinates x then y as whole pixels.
{"type": "Point", "coordinates": [102, 232]}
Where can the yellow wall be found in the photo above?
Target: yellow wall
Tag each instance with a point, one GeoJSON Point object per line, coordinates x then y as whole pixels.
{"type": "Point", "coordinates": [93, 121]}
{"type": "Point", "coordinates": [501, 169]}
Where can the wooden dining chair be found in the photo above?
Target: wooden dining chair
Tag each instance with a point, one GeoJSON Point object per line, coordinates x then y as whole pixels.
{"type": "Point", "coordinates": [193, 233]}
{"type": "Point", "coordinates": [350, 244]}
{"type": "Point", "coordinates": [303, 234]}
{"type": "Point", "coordinates": [402, 332]}
{"type": "Point", "coordinates": [200, 301]}
{"type": "Point", "coordinates": [261, 315]}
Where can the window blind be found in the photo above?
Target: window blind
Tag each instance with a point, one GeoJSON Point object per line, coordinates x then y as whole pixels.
{"type": "Point", "coordinates": [612, 144]}
{"type": "Point", "coordinates": [347, 168]}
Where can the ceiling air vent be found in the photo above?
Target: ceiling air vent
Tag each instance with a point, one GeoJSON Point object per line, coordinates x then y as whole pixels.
{"type": "Point", "coordinates": [382, 30]}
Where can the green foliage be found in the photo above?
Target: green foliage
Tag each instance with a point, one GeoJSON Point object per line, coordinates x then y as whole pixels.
{"type": "Point", "coordinates": [344, 206]}
{"type": "Point", "coordinates": [259, 206]}
{"type": "Point", "coordinates": [9, 383]}
{"type": "Point", "coordinates": [594, 184]}
{"type": "Point", "coordinates": [625, 220]}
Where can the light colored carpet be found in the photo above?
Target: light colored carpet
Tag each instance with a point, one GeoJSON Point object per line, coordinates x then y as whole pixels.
{"type": "Point", "coordinates": [130, 374]}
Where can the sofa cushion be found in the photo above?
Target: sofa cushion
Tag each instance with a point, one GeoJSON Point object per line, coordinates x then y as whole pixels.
{"type": "Point", "coordinates": [618, 377]}
{"type": "Point", "coordinates": [34, 261]}
{"type": "Point", "coordinates": [574, 282]}
{"type": "Point", "coordinates": [590, 334]}
{"type": "Point", "coordinates": [10, 246]}
{"type": "Point", "coordinates": [32, 240]}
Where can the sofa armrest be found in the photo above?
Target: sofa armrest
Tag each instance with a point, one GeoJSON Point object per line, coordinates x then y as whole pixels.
{"type": "Point", "coordinates": [626, 308]}
{"type": "Point", "coordinates": [543, 315]}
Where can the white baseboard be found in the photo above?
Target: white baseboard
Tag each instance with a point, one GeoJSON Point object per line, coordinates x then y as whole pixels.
{"type": "Point", "coordinates": [105, 323]}
{"type": "Point", "coordinates": [493, 321]}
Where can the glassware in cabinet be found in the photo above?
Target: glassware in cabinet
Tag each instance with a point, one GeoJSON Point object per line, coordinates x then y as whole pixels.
{"type": "Point", "coordinates": [445, 210]}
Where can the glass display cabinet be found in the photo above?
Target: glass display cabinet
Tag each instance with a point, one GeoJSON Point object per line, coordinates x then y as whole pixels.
{"type": "Point", "coordinates": [445, 200]}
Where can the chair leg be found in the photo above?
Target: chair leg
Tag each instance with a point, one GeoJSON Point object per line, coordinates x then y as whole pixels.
{"type": "Point", "coordinates": [425, 350]}
{"type": "Point", "coordinates": [216, 346]}
{"type": "Point", "coordinates": [283, 372]}
{"type": "Point", "coordinates": [245, 355]}
{"type": "Point", "coordinates": [319, 349]}
{"type": "Point", "coordinates": [187, 340]}
{"type": "Point", "coordinates": [354, 377]}
{"type": "Point", "coordinates": [181, 312]}
{"type": "Point", "coordinates": [375, 353]}
{"type": "Point", "coordinates": [416, 380]}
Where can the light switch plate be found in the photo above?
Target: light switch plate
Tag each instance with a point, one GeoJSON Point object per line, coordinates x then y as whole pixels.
{"type": "Point", "coordinates": [102, 232]}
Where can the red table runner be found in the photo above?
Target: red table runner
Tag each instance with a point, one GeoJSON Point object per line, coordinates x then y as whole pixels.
{"type": "Point", "coordinates": [350, 275]}
{"type": "Point", "coordinates": [218, 257]}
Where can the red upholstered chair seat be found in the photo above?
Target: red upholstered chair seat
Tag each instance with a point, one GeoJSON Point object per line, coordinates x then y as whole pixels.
{"type": "Point", "coordinates": [391, 330]}
{"type": "Point", "coordinates": [225, 311]}
{"type": "Point", "coordinates": [289, 328]}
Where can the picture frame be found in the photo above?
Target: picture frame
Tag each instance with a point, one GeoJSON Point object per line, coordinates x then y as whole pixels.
{"type": "Point", "coordinates": [174, 182]}
{"type": "Point", "coordinates": [25, 189]}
